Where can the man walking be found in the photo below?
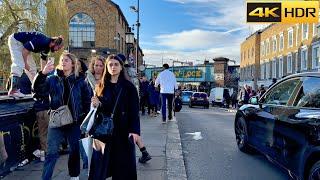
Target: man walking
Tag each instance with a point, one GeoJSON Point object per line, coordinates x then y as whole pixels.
{"type": "Point", "coordinates": [20, 45]}
{"type": "Point", "coordinates": [168, 84]}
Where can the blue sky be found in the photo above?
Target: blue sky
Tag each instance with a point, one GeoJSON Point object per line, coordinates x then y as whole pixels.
{"type": "Point", "coordinates": [189, 30]}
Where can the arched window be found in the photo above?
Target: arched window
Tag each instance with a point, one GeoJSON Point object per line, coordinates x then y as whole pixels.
{"type": "Point", "coordinates": [81, 31]}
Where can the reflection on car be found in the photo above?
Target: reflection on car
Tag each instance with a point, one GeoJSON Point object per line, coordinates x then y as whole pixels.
{"type": "Point", "coordinates": [284, 125]}
{"type": "Point", "coordinates": [199, 99]}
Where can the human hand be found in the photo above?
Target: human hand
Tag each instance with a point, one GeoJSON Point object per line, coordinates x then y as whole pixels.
{"type": "Point", "coordinates": [48, 68]}
{"type": "Point", "coordinates": [134, 136]}
{"type": "Point", "coordinates": [95, 101]}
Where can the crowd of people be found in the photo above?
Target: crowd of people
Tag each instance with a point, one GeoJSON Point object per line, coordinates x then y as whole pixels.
{"type": "Point", "coordinates": [72, 86]}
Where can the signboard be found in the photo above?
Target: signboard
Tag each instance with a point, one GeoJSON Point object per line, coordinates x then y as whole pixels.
{"type": "Point", "coordinates": [219, 77]}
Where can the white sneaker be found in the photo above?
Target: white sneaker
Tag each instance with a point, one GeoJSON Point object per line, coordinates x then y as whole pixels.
{"type": "Point", "coordinates": [16, 94]}
{"type": "Point", "coordinates": [74, 178]}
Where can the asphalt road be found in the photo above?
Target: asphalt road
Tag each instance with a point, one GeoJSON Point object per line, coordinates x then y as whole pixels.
{"type": "Point", "coordinates": [216, 155]}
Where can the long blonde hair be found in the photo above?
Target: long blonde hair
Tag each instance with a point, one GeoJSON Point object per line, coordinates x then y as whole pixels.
{"type": "Point", "coordinates": [106, 77]}
{"type": "Point", "coordinates": [93, 61]}
{"type": "Point", "coordinates": [74, 60]}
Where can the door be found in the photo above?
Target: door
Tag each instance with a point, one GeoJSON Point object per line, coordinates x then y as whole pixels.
{"type": "Point", "coordinates": [274, 103]}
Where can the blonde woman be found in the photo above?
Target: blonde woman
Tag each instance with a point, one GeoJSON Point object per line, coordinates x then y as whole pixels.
{"type": "Point", "coordinates": [65, 87]}
{"type": "Point", "coordinates": [116, 158]}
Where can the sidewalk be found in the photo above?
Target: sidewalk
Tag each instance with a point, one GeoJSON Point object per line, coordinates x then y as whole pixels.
{"type": "Point", "coordinates": [161, 140]}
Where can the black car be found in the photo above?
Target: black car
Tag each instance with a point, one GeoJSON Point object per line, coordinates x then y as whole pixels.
{"type": "Point", "coordinates": [284, 125]}
{"type": "Point", "coordinates": [199, 99]}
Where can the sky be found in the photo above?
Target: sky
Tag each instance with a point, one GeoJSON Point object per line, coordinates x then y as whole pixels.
{"type": "Point", "coordinates": [189, 30]}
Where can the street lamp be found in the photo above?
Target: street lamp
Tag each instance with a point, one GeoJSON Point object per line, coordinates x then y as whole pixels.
{"type": "Point", "coordinates": [129, 42]}
{"type": "Point", "coordinates": [137, 10]}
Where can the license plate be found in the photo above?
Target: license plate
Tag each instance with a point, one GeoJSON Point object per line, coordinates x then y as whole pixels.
{"type": "Point", "coordinates": [200, 99]}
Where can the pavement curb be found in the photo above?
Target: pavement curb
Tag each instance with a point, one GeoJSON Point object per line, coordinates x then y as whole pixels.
{"type": "Point", "coordinates": [176, 169]}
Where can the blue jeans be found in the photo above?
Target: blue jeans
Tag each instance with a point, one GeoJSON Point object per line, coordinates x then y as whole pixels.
{"type": "Point", "coordinates": [55, 137]}
{"type": "Point", "coordinates": [164, 98]}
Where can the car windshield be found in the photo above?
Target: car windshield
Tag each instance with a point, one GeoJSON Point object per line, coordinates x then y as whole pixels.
{"type": "Point", "coordinates": [200, 95]}
{"type": "Point", "coordinates": [186, 93]}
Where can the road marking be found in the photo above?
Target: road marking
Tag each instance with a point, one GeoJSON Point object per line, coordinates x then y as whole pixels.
{"type": "Point", "coordinates": [196, 135]}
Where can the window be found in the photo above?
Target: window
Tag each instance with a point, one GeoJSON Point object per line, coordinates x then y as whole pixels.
{"type": "Point", "coordinates": [318, 29]}
{"type": "Point", "coordinates": [267, 47]}
{"type": "Point", "coordinates": [297, 34]}
{"type": "Point", "coordinates": [304, 58]}
{"type": "Point", "coordinates": [262, 70]}
{"type": "Point", "coordinates": [274, 68]}
{"type": "Point", "coordinates": [262, 49]}
{"type": "Point", "coordinates": [252, 53]}
{"type": "Point", "coordinates": [304, 31]}
{"type": "Point", "coordinates": [281, 93]}
{"type": "Point", "coordinates": [315, 56]}
{"type": "Point", "coordinates": [281, 42]}
{"type": "Point", "coordinates": [309, 94]}
{"type": "Point", "coordinates": [297, 63]}
{"type": "Point", "coordinates": [290, 37]}
{"type": "Point", "coordinates": [118, 42]}
{"type": "Point", "coordinates": [274, 44]}
{"type": "Point", "coordinates": [267, 70]}
{"type": "Point", "coordinates": [81, 31]}
{"type": "Point", "coordinates": [280, 67]}
{"type": "Point", "coordinates": [289, 63]}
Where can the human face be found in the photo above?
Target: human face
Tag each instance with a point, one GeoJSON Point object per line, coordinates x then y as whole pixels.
{"type": "Point", "coordinates": [66, 63]}
{"type": "Point", "coordinates": [114, 67]}
{"type": "Point", "coordinates": [98, 67]}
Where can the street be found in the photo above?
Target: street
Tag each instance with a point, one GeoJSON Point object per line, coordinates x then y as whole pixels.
{"type": "Point", "coordinates": [214, 153]}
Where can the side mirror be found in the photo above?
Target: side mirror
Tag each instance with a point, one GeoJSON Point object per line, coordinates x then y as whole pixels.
{"type": "Point", "coordinates": [254, 100]}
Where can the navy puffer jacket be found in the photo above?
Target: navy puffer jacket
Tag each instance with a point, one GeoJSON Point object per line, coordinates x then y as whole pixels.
{"type": "Point", "coordinates": [52, 86]}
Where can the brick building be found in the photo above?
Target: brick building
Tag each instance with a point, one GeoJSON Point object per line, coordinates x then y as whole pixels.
{"type": "Point", "coordinates": [98, 27]}
{"type": "Point", "coordinates": [284, 49]}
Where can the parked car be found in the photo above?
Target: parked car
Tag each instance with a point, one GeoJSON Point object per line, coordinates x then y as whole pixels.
{"type": "Point", "coordinates": [199, 99]}
{"type": "Point", "coordinates": [185, 96]}
{"type": "Point", "coordinates": [284, 125]}
{"type": "Point", "coordinates": [216, 95]}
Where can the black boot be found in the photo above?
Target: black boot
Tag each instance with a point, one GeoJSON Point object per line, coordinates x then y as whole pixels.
{"type": "Point", "coordinates": [145, 157]}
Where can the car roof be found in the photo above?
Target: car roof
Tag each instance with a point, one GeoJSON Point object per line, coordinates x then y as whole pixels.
{"type": "Point", "coordinates": [199, 93]}
{"type": "Point", "coordinates": [304, 74]}
{"type": "Point", "coordinates": [187, 91]}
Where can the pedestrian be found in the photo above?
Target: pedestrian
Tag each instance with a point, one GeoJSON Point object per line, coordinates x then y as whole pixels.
{"type": "Point", "coordinates": [168, 84]}
{"type": "Point", "coordinates": [65, 87]}
{"type": "Point", "coordinates": [234, 99]}
{"type": "Point", "coordinates": [114, 155]}
{"type": "Point", "coordinates": [262, 90]}
{"type": "Point", "coordinates": [21, 44]}
{"type": "Point", "coordinates": [144, 96]}
{"type": "Point", "coordinates": [274, 80]}
{"type": "Point", "coordinates": [153, 98]}
{"type": "Point", "coordinates": [145, 156]}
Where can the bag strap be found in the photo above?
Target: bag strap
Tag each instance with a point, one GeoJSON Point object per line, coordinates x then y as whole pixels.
{"type": "Point", "coordinates": [115, 106]}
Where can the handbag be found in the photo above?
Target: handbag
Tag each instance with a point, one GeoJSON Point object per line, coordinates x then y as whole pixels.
{"type": "Point", "coordinates": [105, 126]}
{"type": "Point", "coordinates": [61, 116]}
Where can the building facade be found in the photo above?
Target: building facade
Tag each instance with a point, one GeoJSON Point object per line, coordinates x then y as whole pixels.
{"type": "Point", "coordinates": [284, 49]}
{"type": "Point", "coordinates": [98, 27]}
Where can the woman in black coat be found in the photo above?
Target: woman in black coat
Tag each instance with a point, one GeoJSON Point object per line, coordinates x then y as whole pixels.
{"type": "Point", "coordinates": [114, 156]}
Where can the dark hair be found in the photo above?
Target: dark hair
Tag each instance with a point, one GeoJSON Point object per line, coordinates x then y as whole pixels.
{"type": "Point", "coordinates": [166, 66]}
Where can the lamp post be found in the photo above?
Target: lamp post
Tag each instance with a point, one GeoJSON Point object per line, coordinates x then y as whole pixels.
{"type": "Point", "coordinates": [129, 42]}
{"type": "Point", "coordinates": [137, 10]}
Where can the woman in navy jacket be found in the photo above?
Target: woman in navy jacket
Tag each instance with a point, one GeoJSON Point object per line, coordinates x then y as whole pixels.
{"type": "Point", "coordinates": [118, 158]}
{"type": "Point", "coordinates": [65, 87]}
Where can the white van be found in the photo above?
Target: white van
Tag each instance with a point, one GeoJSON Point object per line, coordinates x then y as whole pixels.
{"type": "Point", "coordinates": [216, 95]}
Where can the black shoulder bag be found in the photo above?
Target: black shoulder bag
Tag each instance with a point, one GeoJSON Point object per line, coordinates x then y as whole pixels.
{"type": "Point", "coordinates": [103, 125]}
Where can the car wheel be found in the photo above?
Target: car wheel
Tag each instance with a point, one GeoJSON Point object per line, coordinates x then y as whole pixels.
{"type": "Point", "coordinates": [190, 106]}
{"type": "Point", "coordinates": [241, 132]}
{"type": "Point", "coordinates": [212, 104]}
{"type": "Point", "coordinates": [314, 172]}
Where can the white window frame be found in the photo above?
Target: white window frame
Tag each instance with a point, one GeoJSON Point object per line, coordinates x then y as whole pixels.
{"type": "Point", "coordinates": [280, 70]}
{"type": "Point", "coordinates": [267, 46]}
{"type": "Point", "coordinates": [290, 31]}
{"type": "Point", "coordinates": [262, 48]}
{"type": "Point", "coordinates": [274, 68]}
{"type": "Point", "coordinates": [302, 31]}
{"type": "Point", "coordinates": [304, 48]}
{"type": "Point", "coordinates": [289, 70]}
{"type": "Point", "coordinates": [274, 44]}
{"type": "Point", "coordinates": [262, 65]}
{"type": "Point", "coordinates": [315, 45]}
{"type": "Point", "coordinates": [281, 42]}
{"type": "Point", "coordinates": [267, 69]}
{"type": "Point", "coordinates": [296, 60]}
{"type": "Point", "coordinates": [297, 34]}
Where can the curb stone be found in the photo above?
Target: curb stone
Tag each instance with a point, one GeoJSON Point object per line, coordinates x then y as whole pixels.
{"type": "Point", "coordinates": [175, 164]}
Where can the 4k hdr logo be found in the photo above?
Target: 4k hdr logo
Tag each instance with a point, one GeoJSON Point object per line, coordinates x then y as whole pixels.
{"type": "Point", "coordinates": [283, 12]}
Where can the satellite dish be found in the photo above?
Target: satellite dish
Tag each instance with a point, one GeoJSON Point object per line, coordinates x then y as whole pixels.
{"type": "Point", "coordinates": [142, 67]}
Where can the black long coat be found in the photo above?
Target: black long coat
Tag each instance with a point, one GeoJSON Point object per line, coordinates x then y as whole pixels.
{"type": "Point", "coordinates": [119, 148]}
